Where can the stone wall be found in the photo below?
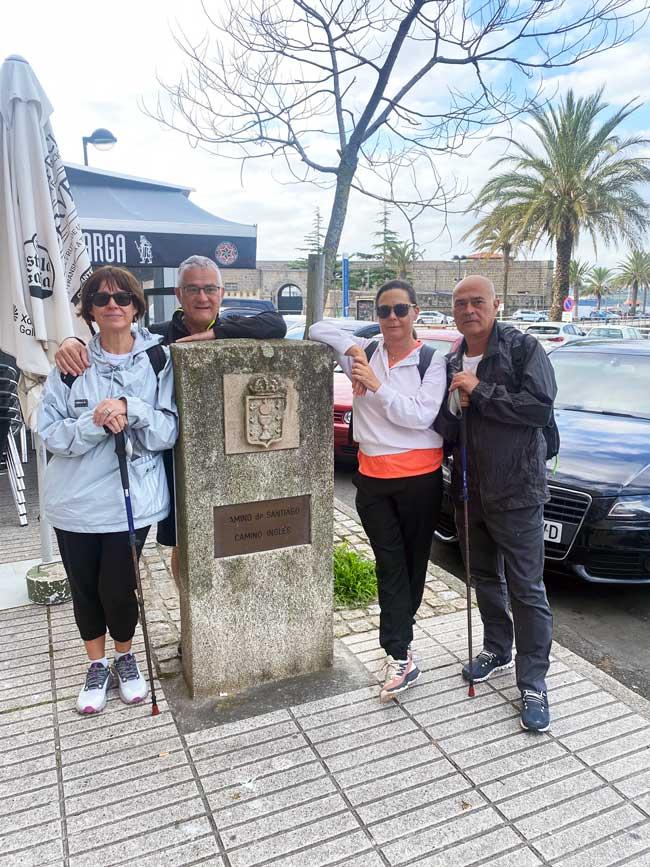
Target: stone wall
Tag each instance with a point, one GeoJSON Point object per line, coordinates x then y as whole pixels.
{"type": "Point", "coordinates": [529, 284]}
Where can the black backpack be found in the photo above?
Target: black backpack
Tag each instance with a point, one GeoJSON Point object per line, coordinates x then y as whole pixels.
{"type": "Point", "coordinates": [157, 359]}
{"type": "Point", "coordinates": [551, 432]}
{"type": "Point", "coordinates": [426, 354]}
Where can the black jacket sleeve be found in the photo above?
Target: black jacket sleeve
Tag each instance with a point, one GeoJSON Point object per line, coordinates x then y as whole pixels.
{"type": "Point", "coordinates": [263, 326]}
{"type": "Point", "coordinates": [532, 405]}
{"type": "Point", "coordinates": [446, 424]}
{"type": "Point", "coordinates": [159, 328]}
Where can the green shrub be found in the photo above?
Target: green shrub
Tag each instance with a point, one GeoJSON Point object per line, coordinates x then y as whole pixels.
{"type": "Point", "coordinates": [355, 582]}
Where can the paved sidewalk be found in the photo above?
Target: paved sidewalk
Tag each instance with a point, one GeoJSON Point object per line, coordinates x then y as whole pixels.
{"type": "Point", "coordinates": [436, 780]}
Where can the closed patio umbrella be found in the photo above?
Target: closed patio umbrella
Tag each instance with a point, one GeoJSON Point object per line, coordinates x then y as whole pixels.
{"type": "Point", "coordinates": [43, 258]}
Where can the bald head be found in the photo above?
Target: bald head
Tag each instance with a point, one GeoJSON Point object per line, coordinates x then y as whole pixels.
{"type": "Point", "coordinates": [475, 305]}
{"type": "Point", "coordinates": [476, 281]}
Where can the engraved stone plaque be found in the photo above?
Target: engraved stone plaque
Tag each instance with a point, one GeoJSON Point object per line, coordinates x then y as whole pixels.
{"type": "Point", "coordinates": [262, 525]}
{"type": "Point", "coordinates": [260, 413]}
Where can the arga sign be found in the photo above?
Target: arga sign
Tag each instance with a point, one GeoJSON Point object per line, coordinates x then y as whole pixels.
{"type": "Point", "coordinates": [160, 250]}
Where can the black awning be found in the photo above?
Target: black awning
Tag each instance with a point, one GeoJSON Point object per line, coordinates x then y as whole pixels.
{"type": "Point", "coordinates": [139, 222]}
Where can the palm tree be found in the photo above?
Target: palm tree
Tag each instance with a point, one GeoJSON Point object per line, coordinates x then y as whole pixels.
{"type": "Point", "coordinates": [400, 258]}
{"type": "Point", "coordinates": [495, 233]}
{"type": "Point", "coordinates": [579, 176]}
{"type": "Point", "coordinates": [634, 272]}
{"type": "Point", "coordinates": [578, 272]}
{"type": "Point", "coordinates": [598, 283]}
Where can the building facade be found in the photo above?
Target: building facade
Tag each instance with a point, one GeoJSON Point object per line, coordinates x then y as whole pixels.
{"type": "Point", "coordinates": [529, 284]}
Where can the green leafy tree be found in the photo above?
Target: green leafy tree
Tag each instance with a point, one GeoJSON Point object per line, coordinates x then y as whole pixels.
{"type": "Point", "coordinates": [386, 239]}
{"type": "Point", "coordinates": [633, 274]}
{"type": "Point", "coordinates": [401, 257]}
{"type": "Point", "coordinates": [313, 241]}
{"type": "Point", "coordinates": [380, 252]}
{"type": "Point", "coordinates": [597, 283]}
{"type": "Point", "coordinates": [578, 273]}
{"type": "Point", "coordinates": [578, 176]}
{"type": "Point", "coordinates": [496, 232]}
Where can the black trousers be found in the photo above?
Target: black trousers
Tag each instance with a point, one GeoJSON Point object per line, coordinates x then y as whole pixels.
{"type": "Point", "coordinates": [166, 531]}
{"type": "Point", "coordinates": [506, 552]}
{"type": "Point", "coordinates": [399, 517]}
{"type": "Point", "coordinates": [100, 572]}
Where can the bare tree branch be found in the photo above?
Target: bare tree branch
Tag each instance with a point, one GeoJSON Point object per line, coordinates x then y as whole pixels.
{"type": "Point", "coordinates": [352, 94]}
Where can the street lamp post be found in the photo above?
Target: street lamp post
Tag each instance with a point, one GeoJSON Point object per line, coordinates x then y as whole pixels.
{"type": "Point", "coordinates": [102, 139]}
{"type": "Point", "coordinates": [459, 259]}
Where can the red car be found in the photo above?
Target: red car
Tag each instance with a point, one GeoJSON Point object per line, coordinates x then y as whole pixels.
{"type": "Point", "coordinates": [441, 339]}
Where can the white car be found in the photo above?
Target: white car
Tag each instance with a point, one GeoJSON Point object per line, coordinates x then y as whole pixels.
{"type": "Point", "coordinates": [528, 316]}
{"type": "Point", "coordinates": [616, 332]}
{"type": "Point", "coordinates": [432, 317]}
{"type": "Point", "coordinates": [552, 334]}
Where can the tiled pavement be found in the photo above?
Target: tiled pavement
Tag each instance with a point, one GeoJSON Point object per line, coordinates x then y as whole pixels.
{"type": "Point", "coordinates": [438, 780]}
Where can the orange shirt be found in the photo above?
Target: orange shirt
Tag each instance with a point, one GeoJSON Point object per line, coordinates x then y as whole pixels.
{"type": "Point", "coordinates": [415, 462]}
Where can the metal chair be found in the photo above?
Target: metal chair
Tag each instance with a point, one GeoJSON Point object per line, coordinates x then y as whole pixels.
{"type": "Point", "coordinates": [12, 426]}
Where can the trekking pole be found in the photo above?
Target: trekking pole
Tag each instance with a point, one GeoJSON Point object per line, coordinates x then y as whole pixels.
{"type": "Point", "coordinates": [120, 451]}
{"type": "Point", "coordinates": [468, 571]}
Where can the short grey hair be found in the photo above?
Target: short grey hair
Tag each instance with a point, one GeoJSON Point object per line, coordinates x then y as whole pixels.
{"type": "Point", "coordinates": [197, 262]}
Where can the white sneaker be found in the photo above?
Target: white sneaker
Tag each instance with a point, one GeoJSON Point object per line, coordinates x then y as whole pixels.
{"type": "Point", "coordinates": [133, 687]}
{"type": "Point", "coordinates": [92, 698]}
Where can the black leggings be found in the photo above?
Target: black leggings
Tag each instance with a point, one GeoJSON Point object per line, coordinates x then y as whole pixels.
{"type": "Point", "coordinates": [399, 517]}
{"type": "Point", "coordinates": [100, 572]}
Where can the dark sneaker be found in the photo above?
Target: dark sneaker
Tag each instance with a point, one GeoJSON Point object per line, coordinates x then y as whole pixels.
{"type": "Point", "coordinates": [485, 665]}
{"type": "Point", "coordinates": [399, 675]}
{"type": "Point", "coordinates": [93, 695]}
{"type": "Point", "coordinates": [535, 715]}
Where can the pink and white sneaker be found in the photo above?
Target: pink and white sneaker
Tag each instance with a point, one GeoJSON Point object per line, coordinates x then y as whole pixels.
{"type": "Point", "coordinates": [133, 687]}
{"type": "Point", "coordinates": [93, 696]}
{"type": "Point", "coordinates": [399, 675]}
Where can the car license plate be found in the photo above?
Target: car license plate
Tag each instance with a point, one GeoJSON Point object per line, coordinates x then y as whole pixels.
{"type": "Point", "coordinates": [552, 531]}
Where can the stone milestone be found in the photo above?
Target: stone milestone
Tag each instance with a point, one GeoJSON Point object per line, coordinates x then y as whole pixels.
{"type": "Point", "coordinates": [254, 498]}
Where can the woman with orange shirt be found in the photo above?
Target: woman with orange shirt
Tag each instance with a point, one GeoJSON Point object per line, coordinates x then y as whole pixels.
{"type": "Point", "coordinates": [399, 482]}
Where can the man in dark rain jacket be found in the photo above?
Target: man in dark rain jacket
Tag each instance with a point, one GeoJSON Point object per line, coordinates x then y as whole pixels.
{"type": "Point", "coordinates": [506, 387]}
{"type": "Point", "coordinates": [200, 292]}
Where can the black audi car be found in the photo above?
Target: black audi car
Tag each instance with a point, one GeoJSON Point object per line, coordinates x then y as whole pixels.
{"type": "Point", "coordinates": [597, 523]}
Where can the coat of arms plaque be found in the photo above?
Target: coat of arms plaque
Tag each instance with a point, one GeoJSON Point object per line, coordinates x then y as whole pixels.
{"type": "Point", "coordinates": [266, 403]}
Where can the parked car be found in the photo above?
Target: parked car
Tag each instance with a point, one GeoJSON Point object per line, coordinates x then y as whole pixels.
{"type": "Point", "coordinates": [529, 316]}
{"type": "Point", "coordinates": [433, 317]}
{"type": "Point", "coordinates": [345, 449]}
{"type": "Point", "coordinates": [551, 334]}
{"type": "Point", "coordinates": [246, 306]}
{"type": "Point", "coordinates": [615, 332]}
{"type": "Point", "coordinates": [597, 523]}
{"type": "Point", "coordinates": [604, 315]}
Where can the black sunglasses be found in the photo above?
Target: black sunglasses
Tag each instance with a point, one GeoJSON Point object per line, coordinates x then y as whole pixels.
{"type": "Point", "coordinates": [401, 310]}
{"type": "Point", "coordinates": [122, 299]}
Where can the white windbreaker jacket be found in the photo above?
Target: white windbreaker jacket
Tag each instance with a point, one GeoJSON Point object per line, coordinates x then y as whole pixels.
{"type": "Point", "coordinates": [83, 492]}
{"type": "Point", "coordinates": [399, 415]}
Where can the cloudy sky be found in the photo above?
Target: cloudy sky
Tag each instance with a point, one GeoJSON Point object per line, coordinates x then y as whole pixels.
{"type": "Point", "coordinates": [100, 62]}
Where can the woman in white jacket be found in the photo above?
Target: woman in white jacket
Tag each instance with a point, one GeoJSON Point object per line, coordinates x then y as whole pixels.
{"type": "Point", "coordinates": [128, 387]}
{"type": "Point", "coordinates": [399, 482]}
